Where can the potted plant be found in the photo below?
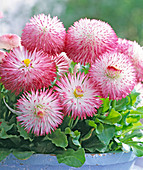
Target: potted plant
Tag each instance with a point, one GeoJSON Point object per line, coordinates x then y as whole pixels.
{"type": "Point", "coordinates": [75, 95]}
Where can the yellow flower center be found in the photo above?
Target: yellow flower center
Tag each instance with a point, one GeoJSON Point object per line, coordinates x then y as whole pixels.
{"type": "Point", "coordinates": [78, 92]}
{"type": "Point", "coordinates": [113, 72]}
{"type": "Point", "coordinates": [27, 62]}
{"type": "Point", "coordinates": [40, 114]}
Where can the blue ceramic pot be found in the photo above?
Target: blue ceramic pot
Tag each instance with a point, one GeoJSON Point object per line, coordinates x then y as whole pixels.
{"type": "Point", "coordinates": [107, 161]}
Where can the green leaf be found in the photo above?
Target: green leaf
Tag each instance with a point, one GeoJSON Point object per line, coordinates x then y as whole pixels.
{"type": "Point", "coordinates": [140, 109]}
{"type": "Point", "coordinates": [72, 158]}
{"type": "Point", "coordinates": [4, 135]}
{"type": "Point", "coordinates": [133, 118]}
{"type": "Point", "coordinates": [58, 138]}
{"type": "Point", "coordinates": [75, 135]}
{"type": "Point", "coordinates": [106, 104]}
{"type": "Point", "coordinates": [4, 125]}
{"type": "Point", "coordinates": [134, 96]}
{"type": "Point", "coordinates": [128, 136]}
{"type": "Point", "coordinates": [88, 135]}
{"type": "Point", "coordinates": [122, 104]}
{"type": "Point", "coordinates": [23, 132]}
{"type": "Point", "coordinates": [93, 144]}
{"type": "Point", "coordinates": [99, 128]}
{"type": "Point", "coordinates": [91, 123]}
{"type": "Point", "coordinates": [113, 117]}
{"type": "Point", "coordinates": [22, 155]}
{"type": "Point", "coordinates": [107, 134]}
{"type": "Point", "coordinates": [138, 149]}
{"type": "Point", "coordinates": [4, 154]}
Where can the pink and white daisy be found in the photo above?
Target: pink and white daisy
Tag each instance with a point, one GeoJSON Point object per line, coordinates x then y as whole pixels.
{"type": "Point", "coordinates": [2, 55]}
{"type": "Point", "coordinates": [23, 70]}
{"type": "Point", "coordinates": [87, 39]}
{"type": "Point", "coordinates": [9, 41]}
{"type": "Point", "coordinates": [135, 52]}
{"type": "Point", "coordinates": [114, 74]}
{"type": "Point", "coordinates": [78, 95]}
{"type": "Point", "coordinates": [40, 112]}
{"type": "Point", "coordinates": [62, 63]}
{"type": "Point", "coordinates": [44, 33]}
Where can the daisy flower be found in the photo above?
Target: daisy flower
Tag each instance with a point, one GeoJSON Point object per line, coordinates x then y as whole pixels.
{"type": "Point", "coordinates": [135, 52]}
{"type": "Point", "coordinates": [78, 95]}
{"type": "Point", "coordinates": [44, 33]}
{"type": "Point", "coordinates": [2, 55]}
{"type": "Point", "coordinates": [23, 70]}
{"type": "Point", "coordinates": [115, 75]}
{"type": "Point", "coordinates": [87, 39]}
{"type": "Point", "coordinates": [40, 112]}
{"type": "Point", "coordinates": [9, 41]}
{"type": "Point", "coordinates": [62, 63]}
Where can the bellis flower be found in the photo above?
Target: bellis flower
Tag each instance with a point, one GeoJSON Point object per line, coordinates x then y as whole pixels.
{"type": "Point", "coordinates": [114, 74]}
{"type": "Point", "coordinates": [9, 41]}
{"type": "Point", "coordinates": [78, 95]}
{"type": "Point", "coordinates": [23, 70]}
{"type": "Point", "coordinates": [2, 55]}
{"type": "Point", "coordinates": [44, 33]}
{"type": "Point", "coordinates": [62, 63]}
{"type": "Point", "coordinates": [40, 112]}
{"type": "Point", "coordinates": [87, 39]}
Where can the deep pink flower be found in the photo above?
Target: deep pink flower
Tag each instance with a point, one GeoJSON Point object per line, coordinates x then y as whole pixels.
{"type": "Point", "coordinates": [135, 52]}
{"type": "Point", "coordinates": [78, 95]}
{"type": "Point", "coordinates": [44, 33]}
{"type": "Point", "coordinates": [114, 74]}
{"type": "Point", "coordinates": [62, 63]}
{"type": "Point", "coordinates": [9, 41]}
{"type": "Point", "coordinates": [23, 70]}
{"type": "Point", "coordinates": [87, 39]}
{"type": "Point", "coordinates": [40, 112]}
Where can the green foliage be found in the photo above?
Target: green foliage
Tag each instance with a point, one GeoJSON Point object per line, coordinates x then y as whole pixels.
{"type": "Point", "coordinates": [71, 157]}
{"type": "Point", "coordinates": [115, 127]}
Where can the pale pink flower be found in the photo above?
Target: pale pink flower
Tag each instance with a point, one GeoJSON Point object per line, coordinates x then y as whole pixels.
{"type": "Point", "coordinates": [139, 89]}
{"type": "Point", "coordinates": [114, 74]}
{"type": "Point", "coordinates": [9, 41]}
{"type": "Point", "coordinates": [78, 95]}
{"type": "Point", "coordinates": [44, 33]}
{"type": "Point", "coordinates": [2, 55]}
{"type": "Point", "coordinates": [135, 52]}
{"type": "Point", "coordinates": [87, 39]}
{"type": "Point", "coordinates": [1, 14]}
{"type": "Point", "coordinates": [40, 112]}
{"type": "Point", "coordinates": [23, 70]}
{"type": "Point", "coordinates": [62, 63]}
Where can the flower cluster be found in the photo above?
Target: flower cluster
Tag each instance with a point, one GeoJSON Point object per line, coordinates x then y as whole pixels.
{"type": "Point", "coordinates": [39, 65]}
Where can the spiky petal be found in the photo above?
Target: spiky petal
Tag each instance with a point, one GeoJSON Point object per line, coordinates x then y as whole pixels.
{"type": "Point", "coordinates": [135, 52]}
{"type": "Point", "coordinates": [44, 33]}
{"type": "Point", "coordinates": [40, 112]}
{"type": "Point", "coordinates": [23, 70]}
{"type": "Point", "coordinates": [62, 63]}
{"type": "Point", "coordinates": [114, 74]}
{"type": "Point", "coordinates": [87, 39]}
{"type": "Point", "coordinates": [2, 55]}
{"type": "Point", "coordinates": [78, 95]}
